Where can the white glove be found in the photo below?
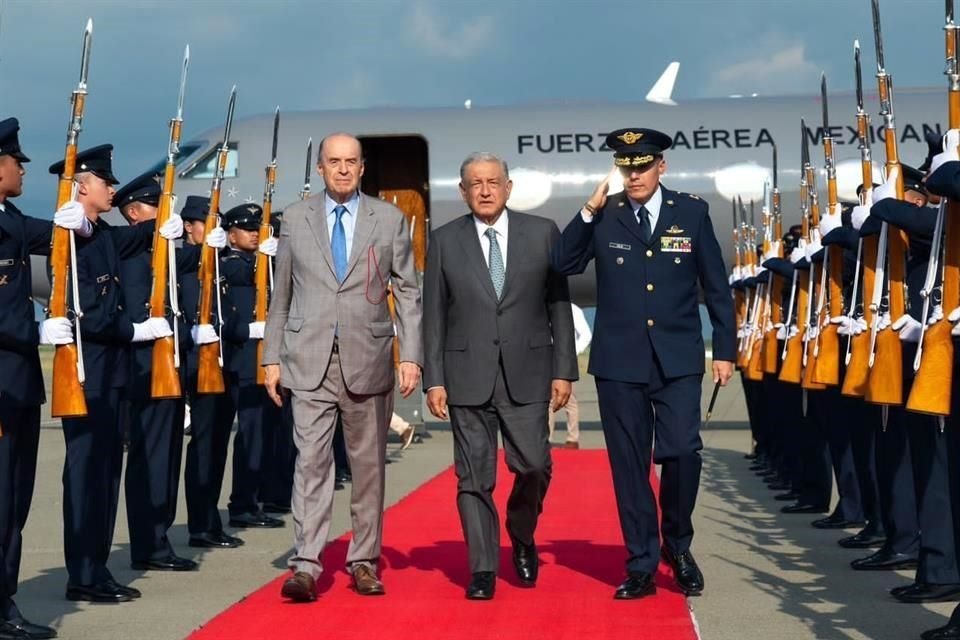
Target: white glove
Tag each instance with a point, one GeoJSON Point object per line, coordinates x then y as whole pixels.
{"type": "Point", "coordinates": [256, 330]}
{"type": "Point", "coordinates": [936, 315]}
{"type": "Point", "coordinates": [949, 154]}
{"type": "Point", "coordinates": [812, 332]}
{"type": "Point", "coordinates": [172, 228]}
{"type": "Point", "coordinates": [269, 247]}
{"type": "Point", "coordinates": [732, 279]}
{"type": "Point", "coordinates": [797, 255]}
{"type": "Point", "coordinates": [888, 189]}
{"type": "Point", "coordinates": [884, 321]}
{"type": "Point", "coordinates": [846, 325]}
{"type": "Point", "coordinates": [859, 215]}
{"type": "Point", "coordinates": [908, 328]}
{"type": "Point", "coordinates": [217, 238]}
{"type": "Point", "coordinates": [783, 334]}
{"type": "Point", "coordinates": [203, 334]}
{"type": "Point", "coordinates": [859, 326]}
{"type": "Point", "coordinates": [760, 270]}
{"type": "Point", "coordinates": [151, 329]}
{"type": "Point", "coordinates": [57, 330]}
{"type": "Point", "coordinates": [831, 221]}
{"type": "Point", "coordinates": [812, 248]}
{"type": "Point", "coordinates": [72, 216]}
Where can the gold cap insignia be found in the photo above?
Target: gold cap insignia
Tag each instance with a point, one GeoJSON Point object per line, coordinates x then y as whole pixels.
{"type": "Point", "coordinates": [630, 137]}
{"type": "Point", "coordinates": [252, 209]}
{"type": "Point", "coordinates": [635, 161]}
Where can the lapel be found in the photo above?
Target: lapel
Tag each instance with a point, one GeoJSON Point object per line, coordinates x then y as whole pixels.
{"type": "Point", "coordinates": [515, 231]}
{"type": "Point", "coordinates": [625, 216]}
{"type": "Point", "coordinates": [362, 230]}
{"type": "Point", "coordinates": [471, 247]}
{"type": "Point", "coordinates": [668, 212]}
{"type": "Point", "coordinates": [317, 221]}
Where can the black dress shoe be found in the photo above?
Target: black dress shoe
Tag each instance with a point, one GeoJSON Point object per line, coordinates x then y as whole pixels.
{"type": "Point", "coordinates": [104, 592]}
{"type": "Point", "coordinates": [870, 536]}
{"type": "Point", "coordinates": [338, 486]}
{"type": "Point", "coordinates": [259, 519]}
{"type": "Point", "coordinates": [950, 631]}
{"type": "Point", "coordinates": [276, 507]}
{"type": "Point", "coordinates": [526, 562]}
{"type": "Point", "coordinates": [835, 521]}
{"type": "Point", "coordinates": [885, 560]}
{"type": "Point", "coordinates": [482, 586]}
{"type": "Point", "coordinates": [802, 507]}
{"type": "Point", "coordinates": [122, 588]}
{"type": "Point", "coordinates": [217, 540]}
{"type": "Point", "coordinates": [170, 563]}
{"type": "Point", "coordinates": [10, 632]}
{"type": "Point", "coordinates": [789, 496]}
{"type": "Point", "coordinates": [343, 477]}
{"type": "Point", "coordinates": [922, 592]}
{"type": "Point", "coordinates": [780, 485]}
{"type": "Point", "coordinates": [635, 586]}
{"type": "Point", "coordinates": [685, 569]}
{"type": "Point", "coordinates": [31, 631]}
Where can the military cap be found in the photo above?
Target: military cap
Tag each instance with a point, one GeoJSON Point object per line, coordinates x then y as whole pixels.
{"type": "Point", "coordinates": [913, 179]}
{"type": "Point", "coordinates": [9, 142]}
{"type": "Point", "coordinates": [637, 147]}
{"type": "Point", "coordinates": [195, 208]}
{"type": "Point", "coordinates": [934, 146]}
{"type": "Point", "coordinates": [244, 216]}
{"type": "Point", "coordinates": [276, 219]}
{"type": "Point", "coordinates": [144, 188]}
{"type": "Point", "coordinates": [96, 160]}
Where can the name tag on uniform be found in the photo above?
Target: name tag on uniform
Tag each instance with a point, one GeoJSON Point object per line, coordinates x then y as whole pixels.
{"type": "Point", "coordinates": [618, 245]}
{"type": "Point", "coordinates": [103, 278]}
{"type": "Point", "coordinates": [676, 245]}
{"type": "Point", "coordinates": [8, 262]}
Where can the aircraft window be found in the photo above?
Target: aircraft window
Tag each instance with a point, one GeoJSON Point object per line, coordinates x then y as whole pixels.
{"type": "Point", "coordinates": [186, 150]}
{"type": "Point", "coordinates": [205, 167]}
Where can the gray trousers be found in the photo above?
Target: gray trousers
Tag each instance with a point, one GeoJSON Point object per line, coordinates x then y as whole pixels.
{"type": "Point", "coordinates": [365, 419]}
{"type": "Point", "coordinates": [527, 451]}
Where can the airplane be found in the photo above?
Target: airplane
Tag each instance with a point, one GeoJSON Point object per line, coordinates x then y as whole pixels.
{"type": "Point", "coordinates": [556, 154]}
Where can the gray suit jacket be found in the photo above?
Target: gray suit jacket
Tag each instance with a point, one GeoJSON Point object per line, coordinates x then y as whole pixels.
{"type": "Point", "coordinates": [309, 304]}
{"type": "Point", "coordinates": [467, 331]}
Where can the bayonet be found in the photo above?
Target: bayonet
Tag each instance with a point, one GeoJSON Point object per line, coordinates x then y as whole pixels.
{"type": "Point", "coordinates": [823, 100]}
{"type": "Point", "coordinates": [307, 171]}
{"type": "Point", "coordinates": [276, 132]}
{"type": "Point", "coordinates": [859, 72]}
{"type": "Point", "coordinates": [877, 35]}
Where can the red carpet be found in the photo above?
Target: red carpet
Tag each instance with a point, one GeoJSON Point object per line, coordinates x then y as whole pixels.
{"type": "Point", "coordinates": [425, 572]}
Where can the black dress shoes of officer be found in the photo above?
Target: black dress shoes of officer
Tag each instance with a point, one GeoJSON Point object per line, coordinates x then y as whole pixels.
{"type": "Point", "coordinates": [21, 628]}
{"type": "Point", "coordinates": [779, 485]}
{"type": "Point", "coordinates": [637, 585]}
{"type": "Point", "coordinates": [276, 507]}
{"type": "Point", "coordinates": [105, 592]}
{"type": "Point", "coordinates": [950, 631]}
{"type": "Point", "coordinates": [870, 536]}
{"type": "Point", "coordinates": [170, 563]}
{"type": "Point", "coordinates": [482, 586]}
{"type": "Point", "coordinates": [835, 521]}
{"type": "Point", "coordinates": [923, 592]}
{"type": "Point", "coordinates": [526, 563]}
{"type": "Point", "coordinates": [685, 569]}
{"type": "Point", "coordinates": [803, 507]}
{"type": "Point", "coordinates": [218, 540]}
{"type": "Point", "coordinates": [258, 519]}
{"type": "Point", "coordinates": [789, 496]}
{"type": "Point", "coordinates": [885, 560]}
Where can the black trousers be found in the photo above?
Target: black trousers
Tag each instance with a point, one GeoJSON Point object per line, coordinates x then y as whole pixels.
{"type": "Point", "coordinates": [211, 420]}
{"type": "Point", "coordinates": [864, 419]}
{"type": "Point", "coordinates": [18, 470]}
{"type": "Point", "coordinates": [280, 454]}
{"type": "Point", "coordinates": [664, 411]}
{"type": "Point", "coordinates": [152, 481]}
{"type": "Point", "coordinates": [527, 451]}
{"type": "Point", "coordinates": [91, 487]}
{"type": "Point", "coordinates": [837, 429]}
{"type": "Point", "coordinates": [816, 477]}
{"type": "Point", "coordinates": [250, 399]}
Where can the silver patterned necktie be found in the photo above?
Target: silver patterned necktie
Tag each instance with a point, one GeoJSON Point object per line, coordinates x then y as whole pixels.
{"type": "Point", "coordinates": [495, 262]}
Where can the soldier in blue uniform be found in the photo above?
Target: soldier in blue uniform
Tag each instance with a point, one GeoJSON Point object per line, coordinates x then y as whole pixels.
{"type": "Point", "coordinates": [94, 448]}
{"type": "Point", "coordinates": [211, 415]}
{"type": "Point", "coordinates": [155, 444]}
{"type": "Point", "coordinates": [21, 381]}
{"type": "Point", "coordinates": [240, 335]}
{"type": "Point", "coordinates": [651, 246]}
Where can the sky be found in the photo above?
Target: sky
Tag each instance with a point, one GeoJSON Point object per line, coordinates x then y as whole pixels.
{"type": "Point", "coordinates": [333, 54]}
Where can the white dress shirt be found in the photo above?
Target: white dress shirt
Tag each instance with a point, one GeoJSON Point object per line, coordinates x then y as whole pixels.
{"type": "Point", "coordinates": [501, 226]}
{"type": "Point", "coordinates": [349, 219]}
{"type": "Point", "coordinates": [581, 329]}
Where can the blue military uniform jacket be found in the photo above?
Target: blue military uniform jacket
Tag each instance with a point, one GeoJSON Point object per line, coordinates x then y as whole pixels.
{"type": "Point", "coordinates": [647, 293]}
{"type": "Point", "coordinates": [21, 379]}
{"type": "Point", "coordinates": [239, 298]}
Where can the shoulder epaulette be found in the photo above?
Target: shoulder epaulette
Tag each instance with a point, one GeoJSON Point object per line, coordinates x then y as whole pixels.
{"type": "Point", "coordinates": [689, 195]}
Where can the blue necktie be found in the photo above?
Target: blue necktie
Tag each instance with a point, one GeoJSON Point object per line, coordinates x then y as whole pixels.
{"type": "Point", "coordinates": [338, 244]}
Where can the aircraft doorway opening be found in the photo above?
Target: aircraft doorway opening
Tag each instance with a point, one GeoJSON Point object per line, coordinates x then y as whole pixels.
{"type": "Point", "coordinates": [397, 171]}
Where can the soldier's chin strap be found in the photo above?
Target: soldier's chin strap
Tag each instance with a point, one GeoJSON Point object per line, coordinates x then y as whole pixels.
{"type": "Point", "coordinates": [75, 297]}
{"type": "Point", "coordinates": [172, 292]}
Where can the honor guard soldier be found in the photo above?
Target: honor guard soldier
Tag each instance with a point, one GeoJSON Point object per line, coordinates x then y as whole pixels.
{"type": "Point", "coordinates": [651, 247]}
{"type": "Point", "coordinates": [94, 449]}
{"type": "Point", "coordinates": [155, 441]}
{"type": "Point", "coordinates": [240, 336]}
{"type": "Point", "coordinates": [211, 414]}
{"type": "Point", "coordinates": [21, 380]}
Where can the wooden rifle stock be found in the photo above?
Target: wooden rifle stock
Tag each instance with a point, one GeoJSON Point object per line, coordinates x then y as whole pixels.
{"type": "Point", "coordinates": [792, 369]}
{"type": "Point", "coordinates": [754, 370]}
{"type": "Point", "coordinates": [858, 369]}
{"type": "Point", "coordinates": [885, 383]}
{"type": "Point", "coordinates": [769, 348]}
{"type": "Point", "coordinates": [261, 274]}
{"type": "Point", "coordinates": [209, 371]}
{"type": "Point", "coordinates": [827, 366]}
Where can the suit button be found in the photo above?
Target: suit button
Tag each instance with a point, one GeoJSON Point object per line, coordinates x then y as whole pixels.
{"type": "Point", "coordinates": [650, 322]}
{"type": "Point", "coordinates": [499, 312]}
{"type": "Point", "coordinates": [620, 260]}
{"type": "Point", "coordinates": [649, 253]}
{"type": "Point", "coordinates": [496, 341]}
{"type": "Point", "coordinates": [649, 287]}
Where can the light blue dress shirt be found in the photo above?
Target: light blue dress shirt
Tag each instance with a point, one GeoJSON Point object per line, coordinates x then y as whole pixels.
{"type": "Point", "coordinates": [349, 219]}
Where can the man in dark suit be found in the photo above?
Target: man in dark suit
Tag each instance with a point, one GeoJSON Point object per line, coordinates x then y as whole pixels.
{"type": "Point", "coordinates": [652, 246]}
{"type": "Point", "coordinates": [498, 336]}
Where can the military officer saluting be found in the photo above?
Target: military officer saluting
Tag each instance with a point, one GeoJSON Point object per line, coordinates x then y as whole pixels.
{"type": "Point", "coordinates": [651, 247]}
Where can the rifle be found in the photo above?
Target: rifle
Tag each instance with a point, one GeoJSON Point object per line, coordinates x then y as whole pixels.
{"type": "Point", "coordinates": [305, 192]}
{"type": "Point", "coordinates": [858, 347]}
{"type": "Point", "coordinates": [813, 319]}
{"type": "Point", "coordinates": [738, 294]}
{"type": "Point", "coordinates": [827, 349]}
{"type": "Point", "coordinates": [750, 301]}
{"type": "Point", "coordinates": [761, 306]}
{"type": "Point", "coordinates": [793, 349]}
{"type": "Point", "coordinates": [885, 384]}
{"type": "Point", "coordinates": [930, 392]}
{"type": "Point", "coordinates": [210, 356]}
{"type": "Point", "coordinates": [164, 369]}
{"type": "Point", "coordinates": [68, 374]}
{"type": "Point", "coordinates": [769, 349]}
{"type": "Point", "coordinates": [262, 267]}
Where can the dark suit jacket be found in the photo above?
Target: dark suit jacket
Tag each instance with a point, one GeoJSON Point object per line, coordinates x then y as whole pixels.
{"type": "Point", "coordinates": [467, 332]}
{"type": "Point", "coordinates": [647, 293]}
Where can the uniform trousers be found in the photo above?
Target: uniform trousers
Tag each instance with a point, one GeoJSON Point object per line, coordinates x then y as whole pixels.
{"type": "Point", "coordinates": [250, 400]}
{"type": "Point", "coordinates": [211, 420]}
{"type": "Point", "coordinates": [280, 455]}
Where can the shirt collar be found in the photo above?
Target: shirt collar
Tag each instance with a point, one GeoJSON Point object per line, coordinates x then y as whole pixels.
{"type": "Point", "coordinates": [652, 205]}
{"type": "Point", "coordinates": [352, 205]}
{"type": "Point", "coordinates": [500, 226]}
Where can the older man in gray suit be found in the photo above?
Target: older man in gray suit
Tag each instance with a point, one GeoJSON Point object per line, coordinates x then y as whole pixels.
{"type": "Point", "coordinates": [498, 332]}
{"type": "Point", "coordinates": [329, 340]}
